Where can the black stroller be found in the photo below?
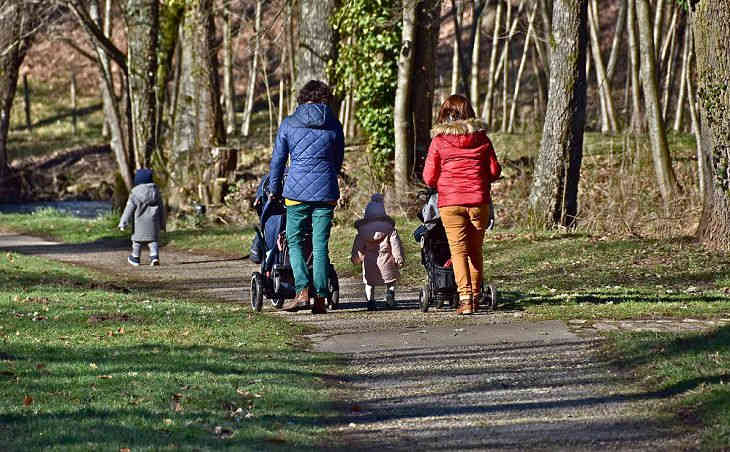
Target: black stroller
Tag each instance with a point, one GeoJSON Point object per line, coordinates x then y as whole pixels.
{"type": "Point", "coordinates": [275, 278]}
{"type": "Point", "coordinates": [440, 286]}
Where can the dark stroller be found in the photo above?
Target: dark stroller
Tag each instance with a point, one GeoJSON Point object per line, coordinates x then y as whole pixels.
{"type": "Point", "coordinates": [440, 286]}
{"type": "Point", "coordinates": [275, 278]}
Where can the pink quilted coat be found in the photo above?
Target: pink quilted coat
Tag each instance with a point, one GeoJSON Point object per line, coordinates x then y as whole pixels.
{"type": "Point", "coordinates": [378, 248]}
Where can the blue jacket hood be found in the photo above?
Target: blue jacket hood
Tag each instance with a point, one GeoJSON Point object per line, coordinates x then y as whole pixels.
{"type": "Point", "coordinates": [312, 116]}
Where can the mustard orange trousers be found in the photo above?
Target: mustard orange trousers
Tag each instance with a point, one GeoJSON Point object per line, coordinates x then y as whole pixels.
{"type": "Point", "coordinates": [465, 228]}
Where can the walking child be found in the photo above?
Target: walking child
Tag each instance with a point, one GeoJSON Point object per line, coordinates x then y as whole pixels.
{"type": "Point", "coordinates": [378, 248]}
{"type": "Point", "coordinates": [146, 207]}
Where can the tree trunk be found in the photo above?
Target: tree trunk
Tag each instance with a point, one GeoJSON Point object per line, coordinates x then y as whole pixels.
{"type": "Point", "coordinates": [16, 22]}
{"type": "Point", "coordinates": [142, 17]}
{"type": "Point", "coordinates": [489, 98]}
{"type": "Point", "coordinates": [290, 55]}
{"type": "Point", "coordinates": [658, 23]}
{"type": "Point", "coordinates": [458, 18]}
{"type": "Point", "coordinates": [401, 109]}
{"type": "Point", "coordinates": [199, 119]}
{"type": "Point", "coordinates": [475, 51]}
{"type": "Point", "coordinates": [711, 24]}
{"type": "Point", "coordinates": [609, 120]}
{"type": "Point", "coordinates": [617, 39]}
{"type": "Point", "coordinates": [636, 121]}
{"type": "Point", "coordinates": [703, 175]}
{"type": "Point", "coordinates": [119, 140]}
{"type": "Point", "coordinates": [679, 113]}
{"type": "Point", "coordinates": [248, 111]}
{"type": "Point", "coordinates": [505, 67]}
{"type": "Point", "coordinates": [659, 149]}
{"type": "Point", "coordinates": [554, 193]}
{"type": "Point", "coordinates": [428, 14]}
{"type": "Point", "coordinates": [528, 37]}
{"type": "Point", "coordinates": [229, 89]}
{"type": "Point", "coordinates": [669, 74]}
{"type": "Point", "coordinates": [316, 41]}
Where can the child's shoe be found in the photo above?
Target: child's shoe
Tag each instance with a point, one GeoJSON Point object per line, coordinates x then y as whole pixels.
{"type": "Point", "coordinates": [133, 260]}
{"type": "Point", "coordinates": [154, 260]}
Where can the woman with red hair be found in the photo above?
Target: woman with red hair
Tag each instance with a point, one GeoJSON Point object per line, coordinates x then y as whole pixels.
{"type": "Point", "coordinates": [461, 165]}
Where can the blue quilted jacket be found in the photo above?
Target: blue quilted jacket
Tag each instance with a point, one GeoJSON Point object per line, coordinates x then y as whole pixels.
{"type": "Point", "coordinates": [312, 139]}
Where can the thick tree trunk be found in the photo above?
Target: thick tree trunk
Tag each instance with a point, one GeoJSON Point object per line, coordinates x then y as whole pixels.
{"type": "Point", "coordinates": [316, 41]}
{"type": "Point", "coordinates": [666, 179]}
{"type": "Point", "coordinates": [290, 55]}
{"type": "Point", "coordinates": [554, 194]}
{"type": "Point", "coordinates": [199, 117]}
{"type": "Point", "coordinates": [711, 24]}
{"type": "Point", "coordinates": [424, 80]}
{"type": "Point", "coordinates": [401, 109]}
{"type": "Point", "coordinates": [458, 18]}
{"type": "Point", "coordinates": [248, 110]}
{"type": "Point", "coordinates": [142, 17]}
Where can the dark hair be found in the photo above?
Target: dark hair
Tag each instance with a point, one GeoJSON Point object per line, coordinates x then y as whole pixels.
{"type": "Point", "coordinates": [456, 107]}
{"type": "Point", "coordinates": [315, 91]}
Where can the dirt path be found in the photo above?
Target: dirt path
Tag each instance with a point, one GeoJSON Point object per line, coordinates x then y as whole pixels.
{"type": "Point", "coordinates": [431, 381]}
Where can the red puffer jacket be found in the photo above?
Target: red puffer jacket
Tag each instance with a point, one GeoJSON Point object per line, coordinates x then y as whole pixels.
{"type": "Point", "coordinates": [461, 163]}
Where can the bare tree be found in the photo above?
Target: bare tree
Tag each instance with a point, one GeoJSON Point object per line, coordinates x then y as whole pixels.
{"type": "Point", "coordinates": [666, 179]}
{"type": "Point", "coordinates": [554, 193]}
{"type": "Point", "coordinates": [316, 41]}
{"type": "Point", "coordinates": [248, 110]}
{"type": "Point", "coordinates": [631, 25]}
{"type": "Point", "coordinates": [401, 110]}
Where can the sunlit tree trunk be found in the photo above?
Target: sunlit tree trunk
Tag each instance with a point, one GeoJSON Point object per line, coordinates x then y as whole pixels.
{"type": "Point", "coordinates": [666, 179]}
{"type": "Point", "coordinates": [618, 37]}
{"type": "Point", "coordinates": [142, 17]}
{"type": "Point", "coordinates": [515, 96]}
{"type": "Point", "coordinates": [251, 91]}
{"type": "Point", "coordinates": [316, 41]}
{"type": "Point", "coordinates": [229, 91]}
{"type": "Point", "coordinates": [476, 48]}
{"type": "Point", "coordinates": [554, 193]}
{"type": "Point", "coordinates": [711, 25]}
{"type": "Point", "coordinates": [402, 110]}
{"type": "Point", "coordinates": [489, 98]}
{"type": "Point", "coordinates": [634, 61]}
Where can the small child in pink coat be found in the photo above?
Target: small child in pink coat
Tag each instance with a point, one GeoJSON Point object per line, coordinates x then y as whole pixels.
{"type": "Point", "coordinates": [378, 248]}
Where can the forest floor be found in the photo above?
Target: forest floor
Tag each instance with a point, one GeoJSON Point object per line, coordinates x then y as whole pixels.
{"type": "Point", "coordinates": [435, 381]}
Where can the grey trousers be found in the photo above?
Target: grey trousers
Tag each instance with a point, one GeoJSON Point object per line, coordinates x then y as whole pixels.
{"type": "Point", "coordinates": [137, 248]}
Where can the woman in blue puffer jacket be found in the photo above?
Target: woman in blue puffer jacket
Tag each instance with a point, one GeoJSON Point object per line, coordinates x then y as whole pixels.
{"type": "Point", "coordinates": [311, 139]}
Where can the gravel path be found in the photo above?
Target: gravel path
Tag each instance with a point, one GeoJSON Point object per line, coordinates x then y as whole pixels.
{"type": "Point", "coordinates": [431, 381]}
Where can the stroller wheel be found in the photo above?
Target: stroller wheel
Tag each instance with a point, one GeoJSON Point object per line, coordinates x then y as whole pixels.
{"type": "Point", "coordinates": [277, 302]}
{"type": "Point", "coordinates": [334, 289]}
{"type": "Point", "coordinates": [490, 297]}
{"type": "Point", "coordinates": [257, 291]}
{"type": "Point", "coordinates": [424, 298]}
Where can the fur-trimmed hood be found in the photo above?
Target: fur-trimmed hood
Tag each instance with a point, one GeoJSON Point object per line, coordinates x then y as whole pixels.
{"type": "Point", "coordinates": [462, 127]}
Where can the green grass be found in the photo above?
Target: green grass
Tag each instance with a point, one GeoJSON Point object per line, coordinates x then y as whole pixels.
{"type": "Point", "coordinates": [88, 365]}
{"type": "Point", "coordinates": [692, 368]}
{"type": "Point", "coordinates": [546, 275]}
{"type": "Point", "coordinates": [51, 118]}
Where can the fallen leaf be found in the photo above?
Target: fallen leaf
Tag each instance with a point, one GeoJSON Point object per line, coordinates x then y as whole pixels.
{"type": "Point", "coordinates": [27, 400]}
{"type": "Point", "coordinates": [168, 421]}
{"type": "Point", "coordinates": [125, 449]}
{"type": "Point", "coordinates": [105, 377]}
{"type": "Point", "coordinates": [92, 365]}
{"type": "Point", "coordinates": [120, 330]}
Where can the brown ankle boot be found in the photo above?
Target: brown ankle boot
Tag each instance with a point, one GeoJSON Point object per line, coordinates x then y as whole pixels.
{"type": "Point", "coordinates": [465, 306]}
{"type": "Point", "coordinates": [299, 302]}
{"type": "Point", "coordinates": [319, 306]}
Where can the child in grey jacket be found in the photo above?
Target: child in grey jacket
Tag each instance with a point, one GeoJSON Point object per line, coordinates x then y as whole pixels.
{"type": "Point", "coordinates": [146, 207]}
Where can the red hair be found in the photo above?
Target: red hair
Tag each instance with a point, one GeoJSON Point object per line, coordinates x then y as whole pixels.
{"type": "Point", "coordinates": [456, 107]}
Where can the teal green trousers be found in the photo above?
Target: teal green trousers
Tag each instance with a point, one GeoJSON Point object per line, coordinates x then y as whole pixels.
{"type": "Point", "coordinates": [317, 219]}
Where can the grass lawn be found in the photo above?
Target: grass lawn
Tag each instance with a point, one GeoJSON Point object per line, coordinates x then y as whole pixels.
{"type": "Point", "coordinates": [88, 365]}
{"type": "Point", "coordinates": [695, 368]}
